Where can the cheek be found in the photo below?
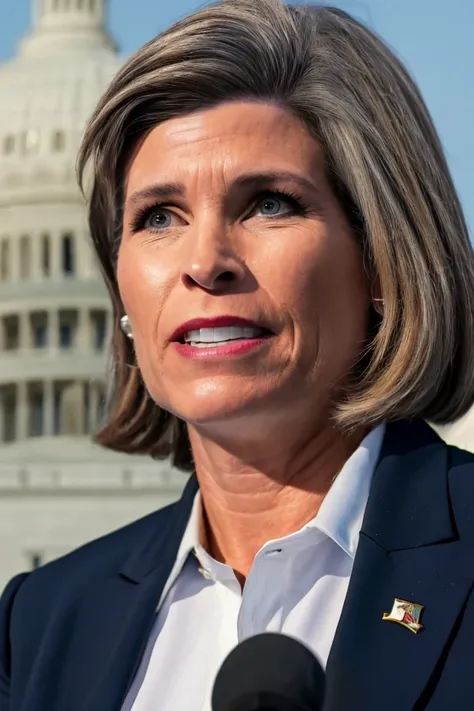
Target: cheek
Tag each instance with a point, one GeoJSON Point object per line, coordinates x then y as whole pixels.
{"type": "Point", "coordinates": [324, 276]}
{"type": "Point", "coordinates": [143, 285]}
{"type": "Point", "coordinates": [345, 300]}
{"type": "Point", "coordinates": [325, 288]}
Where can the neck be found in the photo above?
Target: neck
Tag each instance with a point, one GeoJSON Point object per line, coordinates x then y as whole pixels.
{"type": "Point", "coordinates": [249, 499]}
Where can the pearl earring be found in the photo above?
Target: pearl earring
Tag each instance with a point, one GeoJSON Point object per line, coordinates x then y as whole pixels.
{"type": "Point", "coordinates": [125, 326]}
{"type": "Point", "coordinates": [379, 305]}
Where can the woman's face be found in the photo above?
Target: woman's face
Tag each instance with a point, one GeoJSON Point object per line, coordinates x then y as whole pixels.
{"type": "Point", "coordinates": [230, 223]}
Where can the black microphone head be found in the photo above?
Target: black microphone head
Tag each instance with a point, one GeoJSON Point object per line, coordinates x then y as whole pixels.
{"type": "Point", "coordinates": [269, 672]}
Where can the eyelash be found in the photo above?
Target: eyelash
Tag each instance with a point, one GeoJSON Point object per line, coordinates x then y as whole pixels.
{"type": "Point", "coordinates": [295, 201]}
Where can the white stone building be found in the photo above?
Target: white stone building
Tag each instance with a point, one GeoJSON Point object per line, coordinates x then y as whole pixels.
{"type": "Point", "coordinates": [57, 490]}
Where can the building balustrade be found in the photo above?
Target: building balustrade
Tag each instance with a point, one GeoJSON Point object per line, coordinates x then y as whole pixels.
{"type": "Point", "coordinates": [108, 476]}
{"type": "Point", "coordinates": [62, 365]}
{"type": "Point", "coordinates": [62, 256]}
{"type": "Point", "coordinates": [49, 408]}
{"type": "Point", "coordinates": [84, 330]}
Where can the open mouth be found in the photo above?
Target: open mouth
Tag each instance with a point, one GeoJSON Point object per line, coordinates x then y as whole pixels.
{"type": "Point", "coordinates": [222, 335]}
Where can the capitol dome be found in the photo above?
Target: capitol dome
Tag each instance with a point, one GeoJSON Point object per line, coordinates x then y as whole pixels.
{"type": "Point", "coordinates": [54, 309]}
{"type": "Point", "coordinates": [48, 92]}
{"type": "Point", "coordinates": [57, 488]}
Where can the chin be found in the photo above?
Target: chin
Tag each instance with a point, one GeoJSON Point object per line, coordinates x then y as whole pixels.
{"type": "Point", "coordinates": [208, 403]}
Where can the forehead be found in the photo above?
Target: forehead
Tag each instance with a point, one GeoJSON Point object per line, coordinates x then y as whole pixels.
{"type": "Point", "coordinates": [225, 139]}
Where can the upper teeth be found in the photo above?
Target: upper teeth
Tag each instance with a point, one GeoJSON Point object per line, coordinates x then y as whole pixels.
{"type": "Point", "coordinates": [225, 333]}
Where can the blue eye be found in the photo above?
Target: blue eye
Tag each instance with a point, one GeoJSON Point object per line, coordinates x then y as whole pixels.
{"type": "Point", "coordinates": [157, 218]}
{"type": "Point", "coordinates": [269, 203]}
{"type": "Point", "coordinates": [154, 218]}
{"type": "Point", "coordinates": [270, 206]}
{"type": "Point", "coordinates": [277, 203]}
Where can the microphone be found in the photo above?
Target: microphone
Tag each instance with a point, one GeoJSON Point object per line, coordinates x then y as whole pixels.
{"type": "Point", "coordinates": [269, 672]}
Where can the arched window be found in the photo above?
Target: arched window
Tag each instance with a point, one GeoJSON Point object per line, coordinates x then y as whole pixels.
{"type": "Point", "coordinates": [9, 413]}
{"type": "Point", "coordinates": [25, 257]}
{"type": "Point", "coordinates": [9, 144]}
{"type": "Point", "coordinates": [68, 320]}
{"type": "Point", "coordinates": [68, 253]}
{"type": "Point", "coordinates": [45, 255]}
{"type": "Point", "coordinates": [92, 5]}
{"type": "Point", "coordinates": [36, 410]}
{"type": "Point", "coordinates": [65, 335]}
{"type": "Point", "coordinates": [58, 141]}
{"type": "Point", "coordinates": [11, 333]}
{"type": "Point", "coordinates": [5, 259]}
{"type": "Point", "coordinates": [57, 408]}
{"type": "Point", "coordinates": [39, 324]}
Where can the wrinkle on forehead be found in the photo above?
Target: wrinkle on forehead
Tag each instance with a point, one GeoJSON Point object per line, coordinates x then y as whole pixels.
{"type": "Point", "coordinates": [229, 120]}
{"type": "Point", "coordinates": [227, 138]}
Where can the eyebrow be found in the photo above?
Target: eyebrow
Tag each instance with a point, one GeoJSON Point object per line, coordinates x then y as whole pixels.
{"type": "Point", "coordinates": [164, 191]}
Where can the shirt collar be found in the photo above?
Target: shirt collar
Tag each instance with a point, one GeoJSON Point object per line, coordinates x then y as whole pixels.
{"type": "Point", "coordinates": [192, 534]}
{"type": "Point", "coordinates": [188, 544]}
{"type": "Point", "coordinates": [342, 511]}
{"type": "Point", "coordinates": [339, 517]}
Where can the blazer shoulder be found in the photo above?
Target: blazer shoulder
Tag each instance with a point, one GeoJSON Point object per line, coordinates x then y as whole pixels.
{"type": "Point", "coordinates": [67, 587]}
{"type": "Point", "coordinates": [6, 607]}
{"type": "Point", "coordinates": [460, 458]}
{"type": "Point", "coordinates": [461, 492]}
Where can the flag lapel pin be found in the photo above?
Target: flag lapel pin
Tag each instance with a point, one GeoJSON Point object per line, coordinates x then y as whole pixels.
{"type": "Point", "coordinates": [406, 614]}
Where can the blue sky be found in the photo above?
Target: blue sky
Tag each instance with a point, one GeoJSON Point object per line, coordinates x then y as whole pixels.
{"type": "Point", "coordinates": [435, 39]}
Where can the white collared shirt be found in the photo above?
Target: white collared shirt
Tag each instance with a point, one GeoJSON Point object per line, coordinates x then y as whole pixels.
{"type": "Point", "coordinates": [297, 586]}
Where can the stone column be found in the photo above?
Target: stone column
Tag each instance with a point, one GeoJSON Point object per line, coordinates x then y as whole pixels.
{"type": "Point", "coordinates": [2, 416]}
{"type": "Point", "coordinates": [21, 410]}
{"type": "Point", "coordinates": [55, 247]}
{"type": "Point", "coordinates": [35, 255]}
{"type": "Point", "coordinates": [48, 404]}
{"type": "Point", "coordinates": [53, 329]}
{"type": "Point", "coordinates": [47, 7]}
{"type": "Point", "coordinates": [81, 406]}
{"type": "Point", "coordinates": [99, 10]}
{"type": "Point", "coordinates": [93, 405]}
{"type": "Point", "coordinates": [15, 258]}
{"type": "Point", "coordinates": [25, 330]}
{"type": "Point", "coordinates": [72, 409]}
{"type": "Point", "coordinates": [83, 336]}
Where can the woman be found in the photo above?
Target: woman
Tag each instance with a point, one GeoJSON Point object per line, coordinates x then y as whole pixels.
{"type": "Point", "coordinates": [293, 289]}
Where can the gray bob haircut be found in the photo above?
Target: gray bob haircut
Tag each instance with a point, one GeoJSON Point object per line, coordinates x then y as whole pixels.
{"type": "Point", "coordinates": [384, 162]}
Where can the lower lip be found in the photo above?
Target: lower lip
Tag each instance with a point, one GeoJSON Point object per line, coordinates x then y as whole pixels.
{"type": "Point", "coordinates": [231, 348]}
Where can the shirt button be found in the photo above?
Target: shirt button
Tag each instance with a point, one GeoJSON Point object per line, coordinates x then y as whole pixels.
{"type": "Point", "coordinates": [205, 573]}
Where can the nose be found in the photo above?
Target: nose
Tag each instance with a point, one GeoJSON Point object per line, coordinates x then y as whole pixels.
{"type": "Point", "coordinates": [211, 260]}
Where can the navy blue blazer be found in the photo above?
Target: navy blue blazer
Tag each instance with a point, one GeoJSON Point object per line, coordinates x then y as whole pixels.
{"type": "Point", "coordinates": [72, 633]}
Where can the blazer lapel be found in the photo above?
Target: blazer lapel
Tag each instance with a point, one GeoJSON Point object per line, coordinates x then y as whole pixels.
{"type": "Point", "coordinates": [409, 550]}
{"type": "Point", "coordinates": [122, 611]}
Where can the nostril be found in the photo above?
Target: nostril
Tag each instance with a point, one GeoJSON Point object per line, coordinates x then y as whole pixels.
{"type": "Point", "coordinates": [227, 276]}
